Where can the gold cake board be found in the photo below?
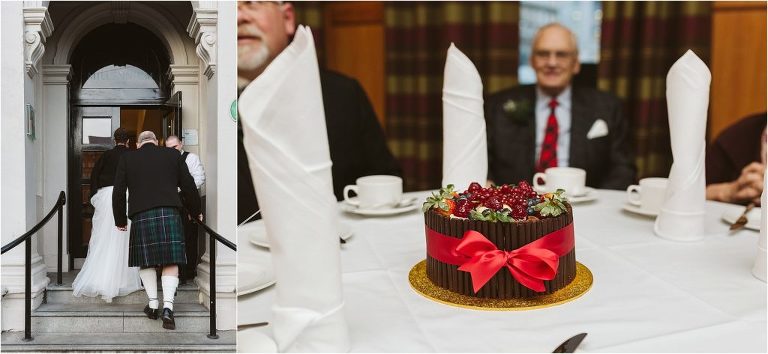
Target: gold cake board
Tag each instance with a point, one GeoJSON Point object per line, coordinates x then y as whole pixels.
{"type": "Point", "coordinates": [421, 283]}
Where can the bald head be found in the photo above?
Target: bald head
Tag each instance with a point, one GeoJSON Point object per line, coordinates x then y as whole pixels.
{"type": "Point", "coordinates": [173, 141]}
{"type": "Point", "coordinates": [146, 137]}
{"type": "Point", "coordinates": [555, 58]}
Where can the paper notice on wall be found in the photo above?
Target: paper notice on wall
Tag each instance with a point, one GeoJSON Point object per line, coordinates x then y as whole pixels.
{"type": "Point", "coordinates": [189, 136]}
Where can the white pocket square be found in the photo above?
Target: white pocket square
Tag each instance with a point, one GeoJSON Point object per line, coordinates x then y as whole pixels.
{"type": "Point", "coordinates": [599, 129]}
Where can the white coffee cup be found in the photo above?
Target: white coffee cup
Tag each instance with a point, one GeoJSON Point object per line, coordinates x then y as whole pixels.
{"type": "Point", "coordinates": [375, 192]}
{"type": "Point", "coordinates": [649, 194]}
{"type": "Point", "coordinates": [571, 179]}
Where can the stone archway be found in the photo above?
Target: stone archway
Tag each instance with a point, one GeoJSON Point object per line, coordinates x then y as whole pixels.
{"type": "Point", "coordinates": [120, 12]}
{"type": "Point", "coordinates": [73, 26]}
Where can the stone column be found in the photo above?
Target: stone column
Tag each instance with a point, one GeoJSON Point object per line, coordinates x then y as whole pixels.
{"type": "Point", "coordinates": [23, 33]}
{"type": "Point", "coordinates": [221, 136]}
{"type": "Point", "coordinates": [55, 124]}
{"type": "Point", "coordinates": [186, 79]}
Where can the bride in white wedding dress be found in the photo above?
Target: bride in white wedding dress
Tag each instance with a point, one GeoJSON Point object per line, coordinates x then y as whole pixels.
{"type": "Point", "coordinates": [105, 272]}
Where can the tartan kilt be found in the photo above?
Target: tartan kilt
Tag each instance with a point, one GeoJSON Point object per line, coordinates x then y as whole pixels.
{"type": "Point", "coordinates": [157, 238]}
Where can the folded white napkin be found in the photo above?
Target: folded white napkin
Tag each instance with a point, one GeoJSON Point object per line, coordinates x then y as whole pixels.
{"type": "Point", "coordinates": [465, 154]}
{"type": "Point", "coordinates": [761, 261]}
{"type": "Point", "coordinates": [286, 143]}
{"type": "Point", "coordinates": [682, 215]}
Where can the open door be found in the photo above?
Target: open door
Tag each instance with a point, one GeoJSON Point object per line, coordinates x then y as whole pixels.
{"type": "Point", "coordinates": [91, 135]}
{"type": "Point", "coordinates": [172, 116]}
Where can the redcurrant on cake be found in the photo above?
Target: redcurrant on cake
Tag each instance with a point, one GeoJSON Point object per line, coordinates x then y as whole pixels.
{"type": "Point", "coordinates": [500, 242]}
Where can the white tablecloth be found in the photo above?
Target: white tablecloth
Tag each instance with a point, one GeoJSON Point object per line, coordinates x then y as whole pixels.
{"type": "Point", "coordinates": [649, 294]}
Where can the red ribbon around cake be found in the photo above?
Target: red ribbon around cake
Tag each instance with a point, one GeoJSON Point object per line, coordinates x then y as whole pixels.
{"type": "Point", "coordinates": [530, 265]}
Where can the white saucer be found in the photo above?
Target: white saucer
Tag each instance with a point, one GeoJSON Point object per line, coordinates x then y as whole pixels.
{"type": "Point", "coordinates": [588, 195]}
{"type": "Point", "coordinates": [636, 209]}
{"type": "Point", "coordinates": [257, 233]}
{"type": "Point", "coordinates": [254, 267]}
{"type": "Point", "coordinates": [753, 217]}
{"type": "Point", "coordinates": [252, 340]}
{"type": "Point", "coordinates": [379, 212]}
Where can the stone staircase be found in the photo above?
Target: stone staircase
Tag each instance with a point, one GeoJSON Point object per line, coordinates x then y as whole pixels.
{"type": "Point", "coordinates": [66, 323]}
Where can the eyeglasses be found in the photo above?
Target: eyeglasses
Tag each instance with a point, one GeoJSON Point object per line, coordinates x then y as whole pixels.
{"type": "Point", "coordinates": [560, 55]}
{"type": "Point", "coordinates": [257, 5]}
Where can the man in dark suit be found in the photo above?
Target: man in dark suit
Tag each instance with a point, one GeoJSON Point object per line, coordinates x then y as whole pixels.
{"type": "Point", "coordinates": [550, 124]}
{"type": "Point", "coordinates": [355, 138]}
{"type": "Point", "coordinates": [152, 174]}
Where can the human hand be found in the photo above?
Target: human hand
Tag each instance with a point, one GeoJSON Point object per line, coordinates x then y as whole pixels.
{"type": "Point", "coordinates": [749, 185]}
{"type": "Point", "coordinates": [122, 228]}
{"type": "Point", "coordinates": [200, 217]}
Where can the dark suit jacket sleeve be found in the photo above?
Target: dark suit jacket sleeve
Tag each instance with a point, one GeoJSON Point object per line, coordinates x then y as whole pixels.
{"type": "Point", "coordinates": [377, 155]}
{"type": "Point", "coordinates": [118, 193]}
{"type": "Point", "coordinates": [95, 173]}
{"type": "Point", "coordinates": [622, 171]}
{"type": "Point", "coordinates": [191, 198]}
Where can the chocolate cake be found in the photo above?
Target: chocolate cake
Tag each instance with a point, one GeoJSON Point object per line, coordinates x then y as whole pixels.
{"type": "Point", "coordinates": [515, 238]}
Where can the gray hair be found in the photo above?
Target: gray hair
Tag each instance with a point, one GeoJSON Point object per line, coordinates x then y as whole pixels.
{"type": "Point", "coordinates": [541, 30]}
{"type": "Point", "coordinates": [147, 136]}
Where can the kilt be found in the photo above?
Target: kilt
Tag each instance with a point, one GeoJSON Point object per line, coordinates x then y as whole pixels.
{"type": "Point", "coordinates": [157, 238]}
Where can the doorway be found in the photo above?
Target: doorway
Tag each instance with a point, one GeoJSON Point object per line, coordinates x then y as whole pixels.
{"type": "Point", "coordinates": [119, 79]}
{"type": "Point", "coordinates": [93, 127]}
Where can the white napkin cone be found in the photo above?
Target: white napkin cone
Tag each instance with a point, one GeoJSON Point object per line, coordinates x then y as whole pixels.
{"type": "Point", "coordinates": [759, 269]}
{"type": "Point", "coordinates": [465, 154]}
{"type": "Point", "coordinates": [682, 215]}
{"type": "Point", "coordinates": [286, 143]}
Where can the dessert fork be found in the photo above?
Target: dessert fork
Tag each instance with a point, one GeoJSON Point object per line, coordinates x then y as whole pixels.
{"type": "Point", "coordinates": [570, 344]}
{"type": "Point", "coordinates": [742, 220]}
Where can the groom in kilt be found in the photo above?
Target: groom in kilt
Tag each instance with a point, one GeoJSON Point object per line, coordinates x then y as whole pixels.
{"type": "Point", "coordinates": [152, 174]}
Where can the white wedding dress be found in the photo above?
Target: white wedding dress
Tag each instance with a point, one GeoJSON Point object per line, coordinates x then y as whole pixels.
{"type": "Point", "coordinates": [105, 272]}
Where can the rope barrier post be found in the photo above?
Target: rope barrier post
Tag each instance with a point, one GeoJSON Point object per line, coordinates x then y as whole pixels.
{"type": "Point", "coordinates": [212, 292]}
{"type": "Point", "coordinates": [60, 238]}
{"type": "Point", "coordinates": [28, 290]}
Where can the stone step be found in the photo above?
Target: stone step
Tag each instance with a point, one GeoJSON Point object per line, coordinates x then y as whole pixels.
{"type": "Point", "coordinates": [55, 294]}
{"type": "Point", "coordinates": [114, 318]}
{"type": "Point", "coordinates": [165, 341]}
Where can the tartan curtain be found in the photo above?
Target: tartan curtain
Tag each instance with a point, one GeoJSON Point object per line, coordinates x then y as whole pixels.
{"type": "Point", "coordinates": [639, 43]}
{"type": "Point", "coordinates": [417, 37]}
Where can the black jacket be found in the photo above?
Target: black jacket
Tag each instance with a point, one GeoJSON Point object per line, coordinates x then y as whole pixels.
{"type": "Point", "coordinates": [736, 147]}
{"type": "Point", "coordinates": [103, 173]}
{"type": "Point", "coordinates": [355, 138]}
{"type": "Point", "coordinates": [151, 174]}
{"type": "Point", "coordinates": [608, 160]}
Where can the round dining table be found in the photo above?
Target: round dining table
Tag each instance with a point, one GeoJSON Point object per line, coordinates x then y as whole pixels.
{"type": "Point", "coordinates": [648, 295]}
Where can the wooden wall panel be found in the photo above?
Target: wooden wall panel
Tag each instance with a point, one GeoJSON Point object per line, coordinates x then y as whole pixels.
{"type": "Point", "coordinates": [738, 62]}
{"type": "Point", "coordinates": [354, 45]}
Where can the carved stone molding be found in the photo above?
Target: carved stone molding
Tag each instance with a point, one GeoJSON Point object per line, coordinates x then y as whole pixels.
{"type": "Point", "coordinates": [183, 75]}
{"type": "Point", "coordinates": [57, 74]}
{"type": "Point", "coordinates": [37, 28]}
{"type": "Point", "coordinates": [202, 28]}
{"type": "Point", "coordinates": [120, 10]}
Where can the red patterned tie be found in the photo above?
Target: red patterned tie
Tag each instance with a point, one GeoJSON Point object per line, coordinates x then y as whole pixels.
{"type": "Point", "coordinates": [548, 155]}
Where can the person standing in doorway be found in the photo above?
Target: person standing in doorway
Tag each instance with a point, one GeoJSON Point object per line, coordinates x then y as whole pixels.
{"type": "Point", "coordinates": [197, 171]}
{"type": "Point", "coordinates": [152, 176]}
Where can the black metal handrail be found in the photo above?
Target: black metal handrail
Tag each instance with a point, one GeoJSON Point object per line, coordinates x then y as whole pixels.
{"type": "Point", "coordinates": [213, 237]}
{"type": "Point", "coordinates": [57, 208]}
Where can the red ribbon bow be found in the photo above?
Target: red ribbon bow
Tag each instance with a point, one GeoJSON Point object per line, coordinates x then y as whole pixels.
{"type": "Point", "coordinates": [530, 264]}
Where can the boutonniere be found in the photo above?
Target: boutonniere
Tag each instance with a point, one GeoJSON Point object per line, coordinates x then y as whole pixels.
{"type": "Point", "coordinates": [517, 111]}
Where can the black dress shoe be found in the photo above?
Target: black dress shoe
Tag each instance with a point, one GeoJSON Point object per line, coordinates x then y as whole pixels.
{"type": "Point", "coordinates": [151, 313]}
{"type": "Point", "coordinates": [168, 321]}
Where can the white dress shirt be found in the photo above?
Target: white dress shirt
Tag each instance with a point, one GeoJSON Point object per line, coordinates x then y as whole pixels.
{"type": "Point", "coordinates": [195, 168]}
{"type": "Point", "coordinates": [563, 115]}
